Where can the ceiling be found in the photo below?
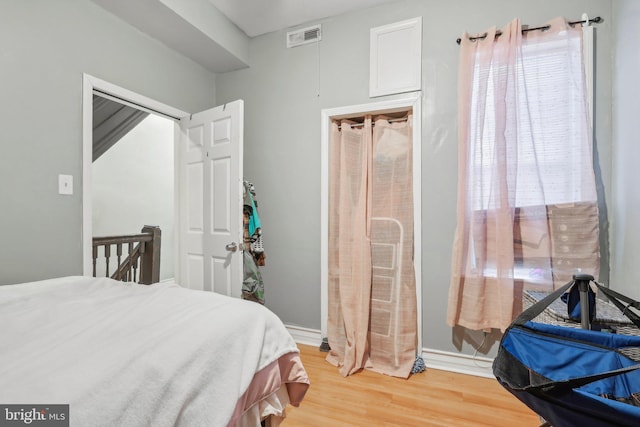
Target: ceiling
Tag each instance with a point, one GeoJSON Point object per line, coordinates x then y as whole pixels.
{"type": "Point", "coordinates": [217, 33]}
{"type": "Point", "coordinates": [256, 17]}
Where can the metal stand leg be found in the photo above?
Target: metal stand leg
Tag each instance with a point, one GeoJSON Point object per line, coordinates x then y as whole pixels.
{"type": "Point", "coordinates": [582, 281]}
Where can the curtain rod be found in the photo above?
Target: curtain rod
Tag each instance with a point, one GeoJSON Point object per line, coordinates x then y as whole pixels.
{"type": "Point", "coordinates": [399, 119]}
{"type": "Point", "coordinates": [595, 20]}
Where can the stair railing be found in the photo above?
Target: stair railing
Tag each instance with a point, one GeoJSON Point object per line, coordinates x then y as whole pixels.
{"type": "Point", "coordinates": [141, 262]}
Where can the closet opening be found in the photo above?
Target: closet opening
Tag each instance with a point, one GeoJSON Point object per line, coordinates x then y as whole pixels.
{"type": "Point", "coordinates": [371, 214]}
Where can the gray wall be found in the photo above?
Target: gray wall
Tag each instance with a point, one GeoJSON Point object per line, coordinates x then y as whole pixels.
{"type": "Point", "coordinates": [625, 242]}
{"type": "Point", "coordinates": [282, 139]}
{"type": "Point", "coordinates": [45, 47]}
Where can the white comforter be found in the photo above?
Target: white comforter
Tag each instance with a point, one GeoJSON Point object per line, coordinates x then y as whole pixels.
{"type": "Point", "coordinates": [132, 355]}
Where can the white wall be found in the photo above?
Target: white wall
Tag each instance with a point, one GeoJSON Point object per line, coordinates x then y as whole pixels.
{"type": "Point", "coordinates": [133, 186]}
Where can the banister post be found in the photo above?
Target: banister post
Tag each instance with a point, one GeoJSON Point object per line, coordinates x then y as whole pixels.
{"type": "Point", "coordinates": [150, 268]}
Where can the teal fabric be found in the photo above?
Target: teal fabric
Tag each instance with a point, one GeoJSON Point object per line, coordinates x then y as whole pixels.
{"type": "Point", "coordinates": [254, 220]}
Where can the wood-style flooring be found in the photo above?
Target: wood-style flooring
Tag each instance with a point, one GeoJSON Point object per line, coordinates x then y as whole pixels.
{"type": "Point", "coordinates": [432, 398]}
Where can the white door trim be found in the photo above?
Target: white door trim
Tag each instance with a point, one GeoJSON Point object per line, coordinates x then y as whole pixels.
{"type": "Point", "coordinates": [412, 101]}
{"type": "Point", "coordinates": [89, 84]}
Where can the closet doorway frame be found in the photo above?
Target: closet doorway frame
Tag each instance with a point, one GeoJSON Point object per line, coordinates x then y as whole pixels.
{"type": "Point", "coordinates": [409, 102]}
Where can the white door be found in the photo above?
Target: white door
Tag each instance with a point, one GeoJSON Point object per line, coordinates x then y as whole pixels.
{"type": "Point", "coordinates": [210, 188]}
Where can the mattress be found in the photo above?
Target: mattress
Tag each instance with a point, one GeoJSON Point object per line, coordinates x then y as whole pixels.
{"type": "Point", "coordinates": [139, 355]}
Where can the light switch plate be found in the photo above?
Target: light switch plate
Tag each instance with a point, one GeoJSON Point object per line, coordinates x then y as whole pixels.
{"type": "Point", "coordinates": [65, 184]}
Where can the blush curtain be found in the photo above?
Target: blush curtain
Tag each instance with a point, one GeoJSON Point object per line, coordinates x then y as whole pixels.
{"type": "Point", "coordinates": [372, 296]}
{"type": "Point", "coordinates": [527, 211]}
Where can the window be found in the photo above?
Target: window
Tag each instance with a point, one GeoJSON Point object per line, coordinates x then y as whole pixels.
{"type": "Point", "coordinates": [549, 157]}
{"type": "Point", "coordinates": [527, 206]}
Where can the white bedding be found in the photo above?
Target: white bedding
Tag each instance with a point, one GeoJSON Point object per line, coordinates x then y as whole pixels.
{"type": "Point", "coordinates": [132, 355]}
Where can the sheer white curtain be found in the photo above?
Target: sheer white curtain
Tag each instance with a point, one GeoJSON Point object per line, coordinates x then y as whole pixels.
{"type": "Point", "coordinates": [527, 211]}
{"type": "Point", "coordinates": [372, 297]}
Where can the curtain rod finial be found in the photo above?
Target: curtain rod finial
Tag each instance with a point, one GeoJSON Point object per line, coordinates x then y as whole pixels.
{"type": "Point", "coordinates": [585, 19]}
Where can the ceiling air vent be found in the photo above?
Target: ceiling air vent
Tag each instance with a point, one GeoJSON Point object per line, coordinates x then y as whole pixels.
{"type": "Point", "coordinates": [304, 36]}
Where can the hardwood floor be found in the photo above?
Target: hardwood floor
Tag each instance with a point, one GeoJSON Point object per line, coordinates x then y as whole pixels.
{"type": "Point", "coordinates": [432, 398]}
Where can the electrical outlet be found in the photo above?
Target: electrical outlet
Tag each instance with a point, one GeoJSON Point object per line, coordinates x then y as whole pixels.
{"type": "Point", "coordinates": [65, 184]}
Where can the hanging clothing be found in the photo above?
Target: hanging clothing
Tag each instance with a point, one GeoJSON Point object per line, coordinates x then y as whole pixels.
{"type": "Point", "coordinates": [252, 225]}
{"type": "Point", "coordinates": [252, 284]}
{"type": "Point", "coordinates": [254, 256]}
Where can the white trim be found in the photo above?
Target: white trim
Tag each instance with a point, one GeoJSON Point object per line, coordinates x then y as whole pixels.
{"type": "Point", "coordinates": [305, 336]}
{"type": "Point", "coordinates": [395, 58]}
{"type": "Point", "coordinates": [459, 363]}
{"type": "Point", "coordinates": [87, 160]}
{"type": "Point", "coordinates": [412, 101]}
{"type": "Point", "coordinates": [89, 83]}
{"type": "Point", "coordinates": [131, 104]}
{"type": "Point", "coordinates": [587, 52]}
{"type": "Point", "coordinates": [433, 359]}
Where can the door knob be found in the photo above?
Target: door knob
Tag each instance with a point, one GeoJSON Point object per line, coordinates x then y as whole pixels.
{"type": "Point", "coordinates": [232, 247]}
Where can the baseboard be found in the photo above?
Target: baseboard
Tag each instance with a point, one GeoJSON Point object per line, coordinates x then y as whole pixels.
{"type": "Point", "coordinates": [305, 336]}
{"type": "Point", "coordinates": [434, 359]}
{"type": "Point", "coordinates": [456, 362]}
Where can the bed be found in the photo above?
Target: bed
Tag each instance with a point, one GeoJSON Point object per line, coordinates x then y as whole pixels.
{"type": "Point", "coordinates": [145, 355]}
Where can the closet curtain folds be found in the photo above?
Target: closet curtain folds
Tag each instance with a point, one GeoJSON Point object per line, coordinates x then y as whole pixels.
{"type": "Point", "coordinates": [372, 298]}
{"type": "Point", "coordinates": [527, 205]}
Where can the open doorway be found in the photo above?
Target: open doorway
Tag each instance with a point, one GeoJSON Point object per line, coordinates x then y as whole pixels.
{"type": "Point", "coordinates": [133, 177]}
{"type": "Point", "coordinates": [207, 188]}
{"type": "Point", "coordinates": [111, 177]}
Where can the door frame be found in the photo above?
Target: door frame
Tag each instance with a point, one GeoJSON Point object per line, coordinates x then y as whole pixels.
{"type": "Point", "coordinates": [91, 84]}
{"type": "Point", "coordinates": [410, 101]}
